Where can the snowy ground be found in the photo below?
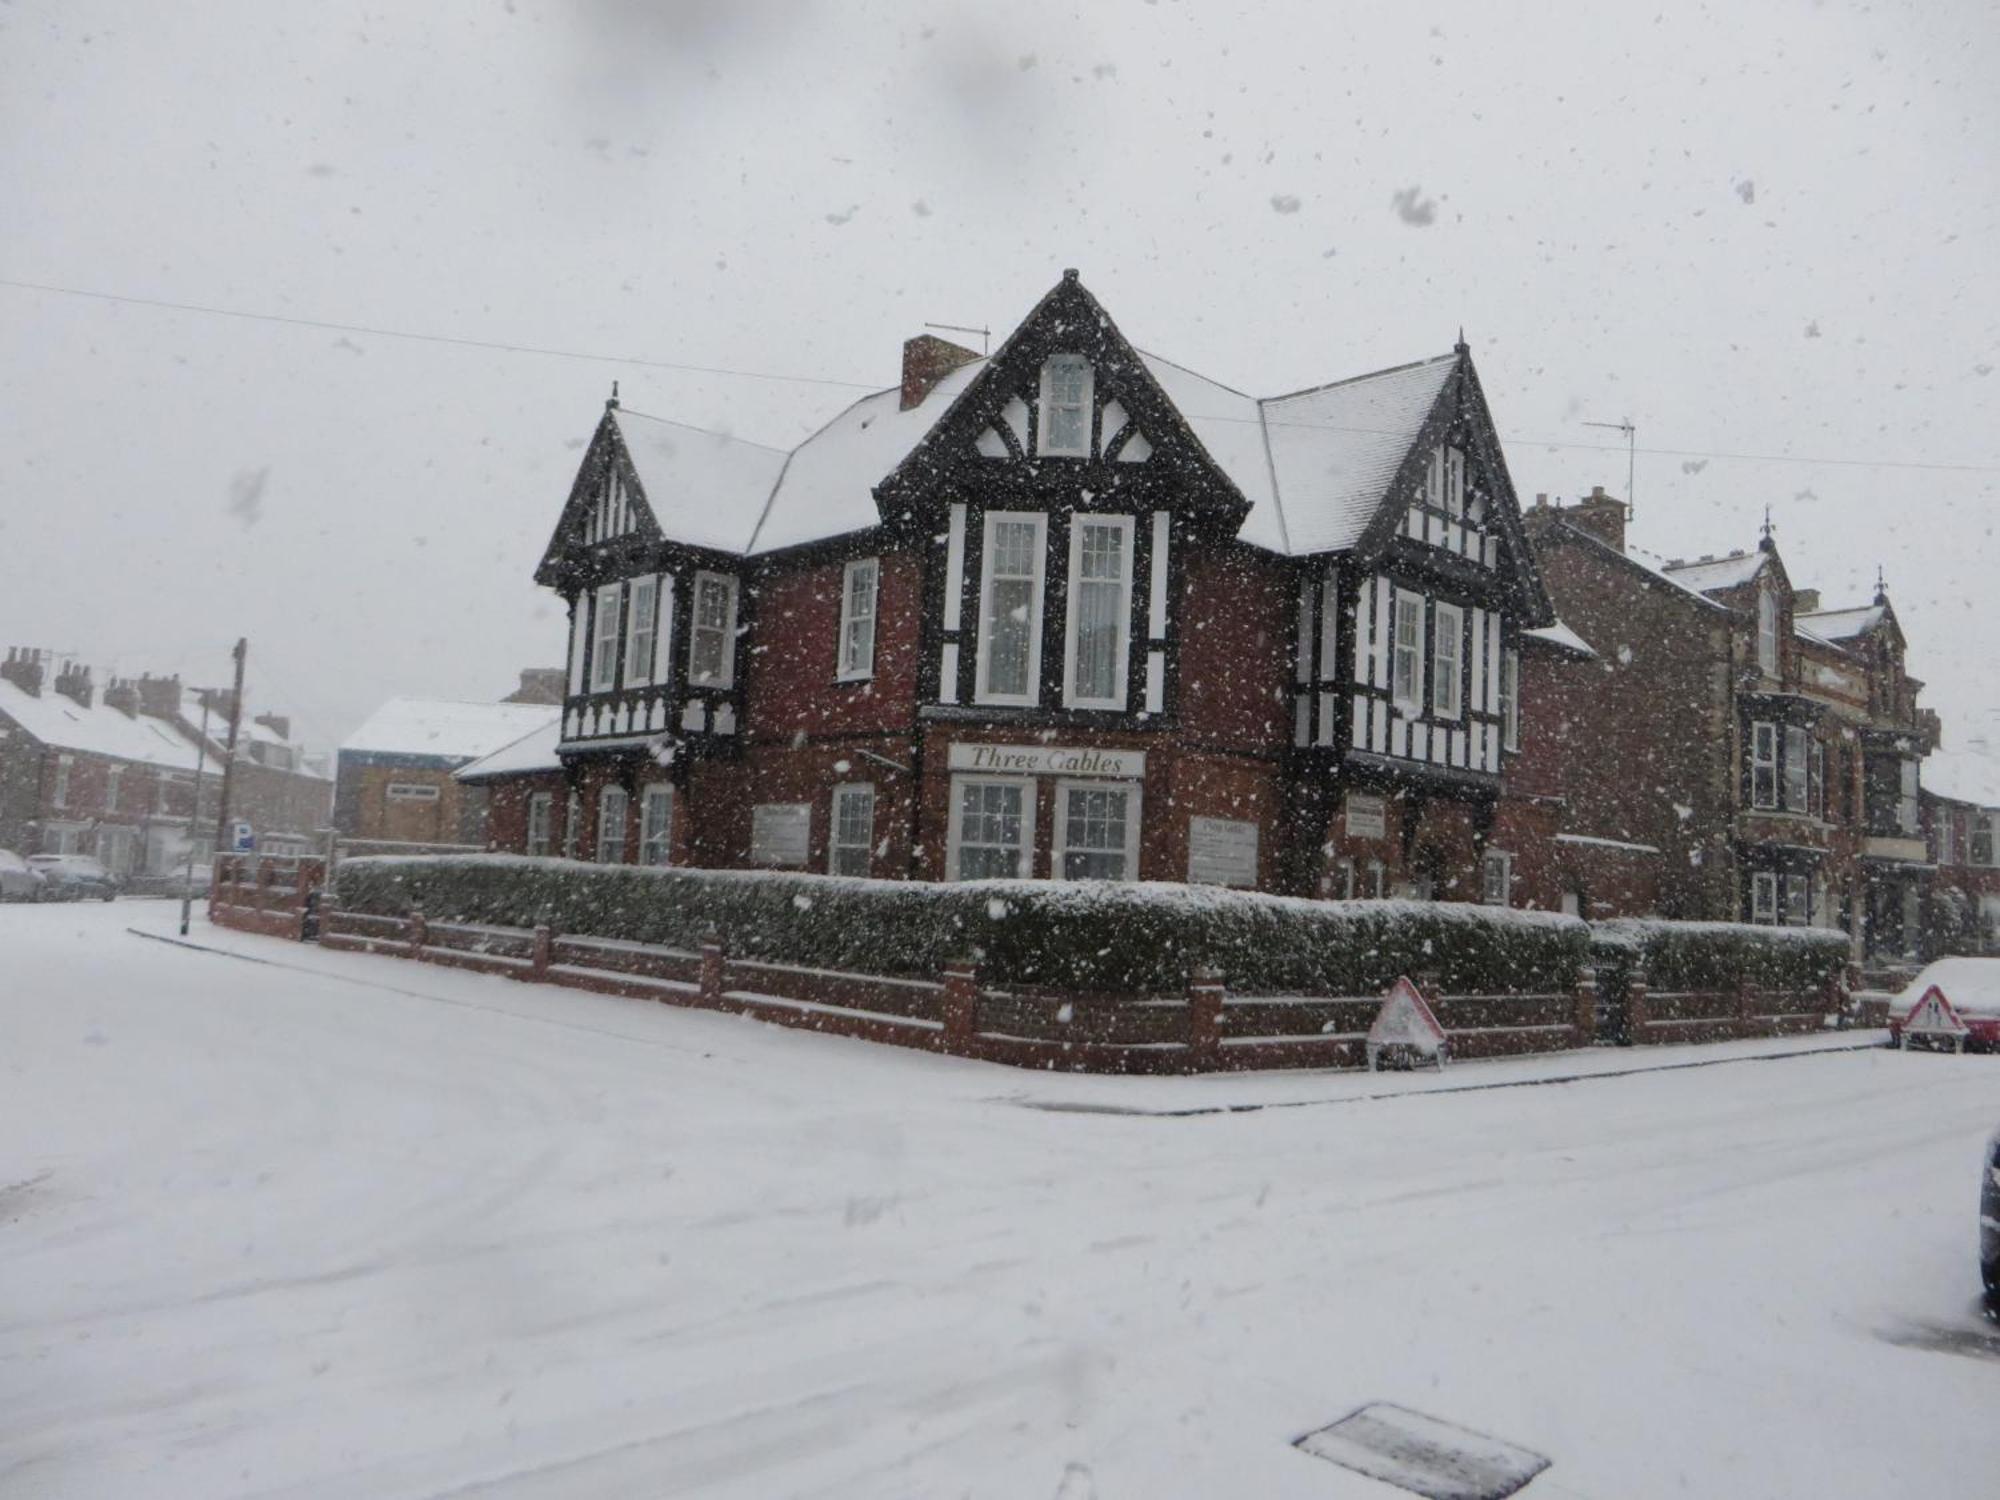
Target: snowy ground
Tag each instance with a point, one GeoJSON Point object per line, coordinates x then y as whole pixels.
{"type": "Point", "coordinates": [357, 1227]}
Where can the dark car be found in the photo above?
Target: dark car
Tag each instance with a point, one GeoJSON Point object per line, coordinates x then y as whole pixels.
{"type": "Point", "coordinates": [1989, 1227]}
{"type": "Point", "coordinates": [74, 877]}
{"type": "Point", "coordinates": [19, 880]}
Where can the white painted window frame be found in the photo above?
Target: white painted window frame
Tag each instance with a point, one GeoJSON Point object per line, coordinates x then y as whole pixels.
{"type": "Point", "coordinates": [1503, 860]}
{"type": "Point", "coordinates": [834, 844]}
{"type": "Point", "coordinates": [1038, 597]}
{"type": "Point", "coordinates": [606, 825]}
{"type": "Point", "coordinates": [662, 842]}
{"type": "Point", "coordinates": [1797, 778]}
{"type": "Point", "coordinates": [1411, 703]}
{"type": "Point", "coordinates": [856, 650]}
{"type": "Point", "coordinates": [1134, 811]}
{"type": "Point", "coordinates": [697, 631]}
{"type": "Point", "coordinates": [642, 630]}
{"type": "Point", "coordinates": [1044, 417]}
{"type": "Point", "coordinates": [1510, 697]}
{"type": "Point", "coordinates": [1764, 898]}
{"type": "Point", "coordinates": [1122, 659]}
{"type": "Point", "coordinates": [1024, 860]}
{"type": "Point", "coordinates": [609, 602]}
{"type": "Point", "coordinates": [1767, 630]}
{"type": "Point", "coordinates": [541, 824]}
{"type": "Point", "coordinates": [1764, 759]}
{"type": "Point", "coordinates": [1443, 614]}
{"type": "Point", "coordinates": [572, 839]}
{"type": "Point", "coordinates": [64, 765]}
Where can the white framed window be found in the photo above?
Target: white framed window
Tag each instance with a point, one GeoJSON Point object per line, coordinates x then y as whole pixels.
{"type": "Point", "coordinates": [1454, 483]}
{"type": "Point", "coordinates": [1763, 765]}
{"type": "Point", "coordinates": [112, 776]}
{"type": "Point", "coordinates": [858, 584]}
{"type": "Point", "coordinates": [851, 836]}
{"type": "Point", "coordinates": [1947, 837]}
{"type": "Point", "coordinates": [412, 791]}
{"type": "Point", "coordinates": [604, 649]}
{"type": "Point", "coordinates": [541, 811]}
{"type": "Point", "coordinates": [1329, 625]}
{"type": "Point", "coordinates": [1447, 653]}
{"type": "Point", "coordinates": [1816, 793]}
{"type": "Point", "coordinates": [1407, 677]}
{"type": "Point", "coordinates": [1496, 878]}
{"type": "Point", "coordinates": [1798, 893]}
{"type": "Point", "coordinates": [1764, 897]}
{"type": "Point", "coordinates": [1797, 767]}
{"type": "Point", "coordinates": [611, 806]}
{"type": "Point", "coordinates": [1377, 875]}
{"type": "Point", "coordinates": [712, 638]}
{"type": "Point", "coordinates": [1342, 879]}
{"type": "Point", "coordinates": [656, 824]}
{"type": "Point", "coordinates": [1982, 840]}
{"type": "Point", "coordinates": [64, 765]}
{"type": "Point", "coordinates": [1066, 392]}
{"type": "Point", "coordinates": [1767, 631]}
{"type": "Point", "coordinates": [572, 824]}
{"type": "Point", "coordinates": [1010, 607]}
{"type": "Point", "coordinates": [1510, 699]}
{"type": "Point", "coordinates": [992, 833]}
{"type": "Point", "coordinates": [1434, 479]}
{"type": "Point", "coordinates": [1100, 611]}
{"type": "Point", "coordinates": [642, 631]}
{"type": "Point", "coordinates": [1097, 831]}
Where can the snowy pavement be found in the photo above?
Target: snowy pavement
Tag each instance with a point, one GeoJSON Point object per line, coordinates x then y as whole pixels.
{"type": "Point", "coordinates": [334, 1225]}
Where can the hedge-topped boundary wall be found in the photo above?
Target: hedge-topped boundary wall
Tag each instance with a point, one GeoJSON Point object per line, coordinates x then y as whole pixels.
{"type": "Point", "coordinates": [1095, 977]}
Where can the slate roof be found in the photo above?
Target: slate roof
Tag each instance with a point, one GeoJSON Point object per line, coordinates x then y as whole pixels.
{"type": "Point", "coordinates": [1718, 573]}
{"type": "Point", "coordinates": [57, 720]}
{"type": "Point", "coordinates": [1314, 464]}
{"type": "Point", "coordinates": [533, 751]}
{"type": "Point", "coordinates": [444, 729]}
{"type": "Point", "coordinates": [1837, 625]}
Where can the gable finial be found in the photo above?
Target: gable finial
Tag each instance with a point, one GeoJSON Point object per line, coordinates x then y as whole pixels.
{"type": "Point", "coordinates": [1460, 347]}
{"type": "Point", "coordinates": [1768, 543]}
{"type": "Point", "coordinates": [1881, 586]}
{"type": "Point", "coordinates": [1070, 273]}
{"type": "Point", "coordinates": [612, 404]}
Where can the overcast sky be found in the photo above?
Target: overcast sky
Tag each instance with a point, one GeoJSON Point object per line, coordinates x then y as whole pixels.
{"type": "Point", "coordinates": [1754, 229]}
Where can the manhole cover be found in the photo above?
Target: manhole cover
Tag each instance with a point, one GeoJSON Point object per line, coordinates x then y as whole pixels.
{"type": "Point", "coordinates": [1439, 1460]}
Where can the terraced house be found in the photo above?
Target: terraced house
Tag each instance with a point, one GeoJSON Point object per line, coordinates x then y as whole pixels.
{"type": "Point", "coordinates": [1067, 611]}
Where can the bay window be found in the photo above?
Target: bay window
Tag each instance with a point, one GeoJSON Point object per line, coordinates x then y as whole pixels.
{"type": "Point", "coordinates": [1100, 609]}
{"type": "Point", "coordinates": [858, 585]}
{"type": "Point", "coordinates": [1795, 768]}
{"type": "Point", "coordinates": [1010, 608]}
{"type": "Point", "coordinates": [1763, 765]}
{"type": "Point", "coordinates": [712, 638]}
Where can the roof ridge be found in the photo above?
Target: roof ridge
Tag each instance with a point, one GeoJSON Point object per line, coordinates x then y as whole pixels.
{"type": "Point", "coordinates": [1328, 385]}
{"type": "Point", "coordinates": [771, 495]}
{"type": "Point", "coordinates": [1190, 370]}
{"type": "Point", "coordinates": [728, 437]}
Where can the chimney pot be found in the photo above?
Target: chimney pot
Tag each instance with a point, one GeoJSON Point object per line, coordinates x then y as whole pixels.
{"type": "Point", "coordinates": [23, 668]}
{"type": "Point", "coordinates": [122, 694]}
{"type": "Point", "coordinates": [1602, 515]}
{"type": "Point", "coordinates": [159, 697]}
{"type": "Point", "coordinates": [73, 682]}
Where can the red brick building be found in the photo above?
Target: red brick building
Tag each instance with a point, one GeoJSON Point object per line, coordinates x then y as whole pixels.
{"type": "Point", "coordinates": [1069, 610]}
{"type": "Point", "coordinates": [1961, 797]}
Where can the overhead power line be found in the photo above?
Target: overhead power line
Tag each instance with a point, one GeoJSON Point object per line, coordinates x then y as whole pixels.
{"type": "Point", "coordinates": [634, 361]}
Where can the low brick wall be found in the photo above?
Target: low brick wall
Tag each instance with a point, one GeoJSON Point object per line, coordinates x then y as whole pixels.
{"type": "Point", "coordinates": [275, 896]}
{"type": "Point", "coordinates": [1654, 1017]}
{"type": "Point", "coordinates": [1205, 1030]}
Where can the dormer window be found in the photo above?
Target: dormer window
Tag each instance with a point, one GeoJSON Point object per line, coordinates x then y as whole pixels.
{"type": "Point", "coordinates": [1066, 390]}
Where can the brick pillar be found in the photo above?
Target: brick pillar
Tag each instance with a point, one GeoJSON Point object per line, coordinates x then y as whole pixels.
{"type": "Point", "coordinates": [1638, 1015]}
{"type": "Point", "coordinates": [538, 958]}
{"type": "Point", "coordinates": [711, 969]}
{"type": "Point", "coordinates": [1205, 995]}
{"type": "Point", "coordinates": [1835, 995]}
{"type": "Point", "coordinates": [1584, 1015]}
{"type": "Point", "coordinates": [961, 1004]}
{"type": "Point", "coordinates": [419, 931]}
{"type": "Point", "coordinates": [262, 900]}
{"type": "Point", "coordinates": [1746, 1008]}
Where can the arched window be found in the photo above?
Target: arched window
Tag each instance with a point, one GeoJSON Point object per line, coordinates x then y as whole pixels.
{"type": "Point", "coordinates": [1767, 631]}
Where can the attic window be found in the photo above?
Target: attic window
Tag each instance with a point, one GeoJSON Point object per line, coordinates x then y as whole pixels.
{"type": "Point", "coordinates": [1066, 392]}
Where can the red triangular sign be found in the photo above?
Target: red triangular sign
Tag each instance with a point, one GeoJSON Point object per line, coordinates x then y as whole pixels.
{"type": "Point", "coordinates": [1933, 1015]}
{"type": "Point", "coordinates": [1405, 1020]}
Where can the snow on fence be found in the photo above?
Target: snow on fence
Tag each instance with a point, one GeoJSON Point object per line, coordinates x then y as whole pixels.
{"type": "Point", "coordinates": [275, 895]}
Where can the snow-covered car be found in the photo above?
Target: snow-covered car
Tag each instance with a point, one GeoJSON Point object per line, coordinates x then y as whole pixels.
{"type": "Point", "coordinates": [1989, 1226]}
{"type": "Point", "coordinates": [1970, 987]}
{"type": "Point", "coordinates": [19, 880]}
{"type": "Point", "coordinates": [74, 877]}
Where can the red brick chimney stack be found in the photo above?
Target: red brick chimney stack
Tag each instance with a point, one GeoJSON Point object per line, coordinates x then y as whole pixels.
{"type": "Point", "coordinates": [122, 694]}
{"type": "Point", "coordinates": [73, 682]}
{"type": "Point", "coordinates": [1602, 515]}
{"type": "Point", "coordinates": [540, 685]}
{"type": "Point", "coordinates": [927, 359]}
{"type": "Point", "coordinates": [159, 697]}
{"type": "Point", "coordinates": [23, 668]}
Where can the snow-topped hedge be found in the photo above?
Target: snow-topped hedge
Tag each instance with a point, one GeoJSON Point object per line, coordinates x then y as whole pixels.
{"type": "Point", "coordinates": [1714, 955]}
{"type": "Point", "coordinates": [1144, 938]}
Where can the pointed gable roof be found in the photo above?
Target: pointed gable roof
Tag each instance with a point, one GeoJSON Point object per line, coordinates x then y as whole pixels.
{"type": "Point", "coordinates": [1712, 575]}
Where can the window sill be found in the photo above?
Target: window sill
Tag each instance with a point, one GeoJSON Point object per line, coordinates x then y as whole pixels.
{"type": "Point", "coordinates": [851, 678]}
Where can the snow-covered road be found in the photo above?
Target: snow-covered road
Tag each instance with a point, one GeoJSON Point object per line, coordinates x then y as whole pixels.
{"type": "Point", "coordinates": [355, 1227]}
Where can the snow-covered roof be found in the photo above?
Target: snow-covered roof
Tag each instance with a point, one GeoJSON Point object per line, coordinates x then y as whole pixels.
{"type": "Point", "coordinates": [1971, 774]}
{"type": "Point", "coordinates": [57, 720]}
{"type": "Point", "coordinates": [1972, 985]}
{"type": "Point", "coordinates": [445, 729]}
{"type": "Point", "coordinates": [533, 751]}
{"type": "Point", "coordinates": [1836, 625]}
{"type": "Point", "coordinates": [1561, 635]}
{"type": "Point", "coordinates": [1313, 464]}
{"type": "Point", "coordinates": [1713, 574]}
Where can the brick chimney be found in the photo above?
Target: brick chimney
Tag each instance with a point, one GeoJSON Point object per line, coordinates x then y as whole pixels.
{"type": "Point", "coordinates": [540, 685]}
{"type": "Point", "coordinates": [122, 693]}
{"type": "Point", "coordinates": [221, 702]}
{"type": "Point", "coordinates": [159, 697]}
{"type": "Point", "coordinates": [23, 668]}
{"type": "Point", "coordinates": [278, 724]}
{"type": "Point", "coordinates": [1602, 515]}
{"type": "Point", "coordinates": [73, 682]}
{"type": "Point", "coordinates": [1805, 601]}
{"type": "Point", "coordinates": [927, 359]}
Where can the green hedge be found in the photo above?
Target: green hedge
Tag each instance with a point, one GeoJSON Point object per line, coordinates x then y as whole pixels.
{"type": "Point", "coordinates": [1129, 938]}
{"type": "Point", "coordinates": [1679, 956]}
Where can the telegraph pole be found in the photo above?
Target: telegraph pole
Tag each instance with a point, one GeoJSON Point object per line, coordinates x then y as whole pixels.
{"type": "Point", "coordinates": [194, 818]}
{"type": "Point", "coordinates": [229, 756]}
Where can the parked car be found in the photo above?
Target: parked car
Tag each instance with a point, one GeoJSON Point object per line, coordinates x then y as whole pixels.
{"type": "Point", "coordinates": [1970, 986]}
{"type": "Point", "coordinates": [19, 880]}
{"type": "Point", "coordinates": [74, 877]}
{"type": "Point", "coordinates": [1989, 1228]}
